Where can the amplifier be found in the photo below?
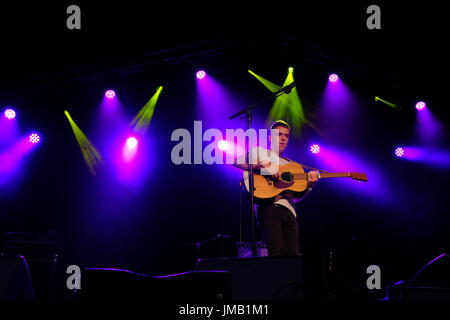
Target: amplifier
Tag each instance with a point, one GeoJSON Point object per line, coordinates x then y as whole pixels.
{"type": "Point", "coordinates": [15, 279]}
{"type": "Point", "coordinates": [261, 278]}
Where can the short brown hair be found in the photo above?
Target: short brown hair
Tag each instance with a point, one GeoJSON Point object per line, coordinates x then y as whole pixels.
{"type": "Point", "coordinates": [280, 123]}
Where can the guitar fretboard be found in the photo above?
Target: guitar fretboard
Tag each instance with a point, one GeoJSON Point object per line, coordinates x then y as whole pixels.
{"type": "Point", "coordinates": [324, 175]}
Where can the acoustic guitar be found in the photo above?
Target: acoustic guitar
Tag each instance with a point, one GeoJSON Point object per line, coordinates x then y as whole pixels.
{"type": "Point", "coordinates": [291, 177]}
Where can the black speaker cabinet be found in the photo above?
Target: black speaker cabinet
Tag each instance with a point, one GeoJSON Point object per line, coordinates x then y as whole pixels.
{"type": "Point", "coordinates": [435, 273]}
{"type": "Point", "coordinates": [102, 283]}
{"type": "Point", "coordinates": [15, 279]}
{"type": "Point", "coordinates": [261, 278]}
{"type": "Point", "coordinates": [431, 282]}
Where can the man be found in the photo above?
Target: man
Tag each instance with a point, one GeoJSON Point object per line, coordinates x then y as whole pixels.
{"type": "Point", "coordinates": [278, 217]}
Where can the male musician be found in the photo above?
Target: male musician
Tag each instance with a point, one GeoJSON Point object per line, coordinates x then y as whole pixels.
{"type": "Point", "coordinates": [278, 217]}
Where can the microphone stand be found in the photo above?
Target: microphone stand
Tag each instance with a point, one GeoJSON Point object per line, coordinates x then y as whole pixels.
{"type": "Point", "coordinates": [248, 115]}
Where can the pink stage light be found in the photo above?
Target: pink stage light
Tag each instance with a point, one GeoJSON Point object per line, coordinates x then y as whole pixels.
{"type": "Point", "coordinates": [10, 114]}
{"type": "Point", "coordinates": [315, 148]}
{"type": "Point", "coordinates": [333, 77]}
{"type": "Point", "coordinates": [223, 145]}
{"type": "Point", "coordinates": [130, 149]}
{"type": "Point", "coordinates": [34, 138]}
{"type": "Point", "coordinates": [201, 74]}
{"type": "Point", "coordinates": [132, 142]}
{"type": "Point", "coordinates": [420, 105]}
{"type": "Point", "coordinates": [399, 152]}
{"type": "Point", "coordinates": [110, 94]}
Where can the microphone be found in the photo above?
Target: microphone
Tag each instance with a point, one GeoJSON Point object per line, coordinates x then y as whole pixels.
{"type": "Point", "coordinates": [286, 89]}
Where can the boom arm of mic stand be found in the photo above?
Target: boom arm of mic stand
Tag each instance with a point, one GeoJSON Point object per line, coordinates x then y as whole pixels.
{"type": "Point", "coordinates": [246, 110]}
{"type": "Point", "coordinates": [273, 95]}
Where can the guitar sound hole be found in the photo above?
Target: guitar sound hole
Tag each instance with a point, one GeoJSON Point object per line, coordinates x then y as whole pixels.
{"type": "Point", "coordinates": [286, 176]}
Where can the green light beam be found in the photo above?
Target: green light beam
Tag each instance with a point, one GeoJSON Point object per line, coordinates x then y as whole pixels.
{"type": "Point", "coordinates": [268, 84]}
{"type": "Point", "coordinates": [142, 120]}
{"type": "Point", "coordinates": [90, 154]}
{"type": "Point", "coordinates": [288, 107]}
{"type": "Point", "coordinates": [390, 104]}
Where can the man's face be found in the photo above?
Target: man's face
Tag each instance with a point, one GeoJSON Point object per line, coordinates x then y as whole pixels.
{"type": "Point", "coordinates": [279, 142]}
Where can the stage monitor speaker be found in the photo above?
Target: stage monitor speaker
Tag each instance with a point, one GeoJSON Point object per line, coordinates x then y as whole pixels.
{"type": "Point", "coordinates": [435, 273]}
{"type": "Point", "coordinates": [15, 279]}
{"type": "Point", "coordinates": [431, 282]}
{"type": "Point", "coordinates": [101, 283]}
{"type": "Point", "coordinates": [261, 278]}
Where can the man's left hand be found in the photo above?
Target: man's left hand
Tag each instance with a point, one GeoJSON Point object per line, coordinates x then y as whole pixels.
{"type": "Point", "coordinates": [313, 177]}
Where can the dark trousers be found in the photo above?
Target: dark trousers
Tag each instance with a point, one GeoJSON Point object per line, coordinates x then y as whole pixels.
{"type": "Point", "coordinates": [280, 230]}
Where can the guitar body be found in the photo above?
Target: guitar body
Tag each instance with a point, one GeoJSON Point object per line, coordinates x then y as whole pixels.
{"type": "Point", "coordinates": [266, 187]}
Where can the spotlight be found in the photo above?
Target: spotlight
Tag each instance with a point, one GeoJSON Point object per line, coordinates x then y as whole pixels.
{"type": "Point", "coordinates": [399, 152]}
{"type": "Point", "coordinates": [333, 77]}
{"type": "Point", "coordinates": [130, 149]}
{"type": "Point", "coordinates": [132, 142]}
{"type": "Point", "coordinates": [201, 74]}
{"type": "Point", "coordinates": [223, 145]}
{"type": "Point", "coordinates": [315, 148]}
{"type": "Point", "coordinates": [420, 105]}
{"type": "Point", "coordinates": [34, 138]}
{"type": "Point", "coordinates": [110, 94]}
{"type": "Point", "coordinates": [291, 69]}
{"type": "Point", "coordinates": [10, 114]}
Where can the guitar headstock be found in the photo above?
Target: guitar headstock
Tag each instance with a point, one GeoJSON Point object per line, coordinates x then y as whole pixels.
{"type": "Point", "coordinates": [358, 176]}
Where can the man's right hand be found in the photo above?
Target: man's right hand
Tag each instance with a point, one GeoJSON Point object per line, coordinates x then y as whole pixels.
{"type": "Point", "coordinates": [257, 167]}
{"type": "Point", "coordinates": [260, 165]}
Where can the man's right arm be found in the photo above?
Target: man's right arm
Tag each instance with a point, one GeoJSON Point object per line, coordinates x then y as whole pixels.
{"type": "Point", "coordinates": [242, 162]}
{"type": "Point", "coordinates": [262, 161]}
{"type": "Point", "coordinates": [256, 168]}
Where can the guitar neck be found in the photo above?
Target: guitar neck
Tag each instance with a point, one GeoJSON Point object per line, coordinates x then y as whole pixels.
{"type": "Point", "coordinates": [334, 174]}
{"type": "Point", "coordinates": [324, 175]}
